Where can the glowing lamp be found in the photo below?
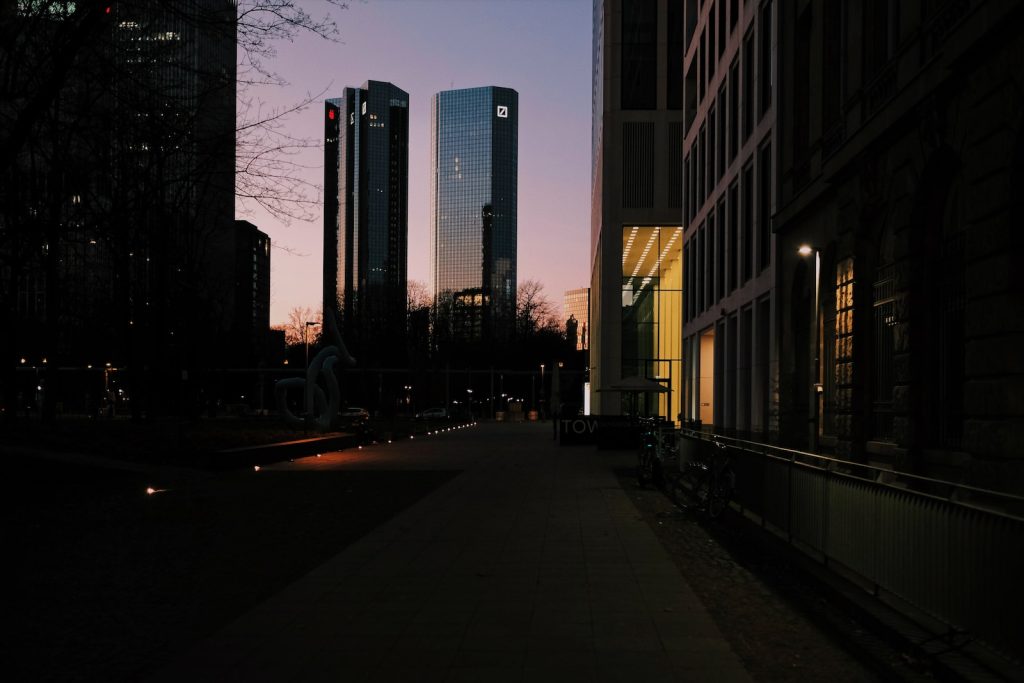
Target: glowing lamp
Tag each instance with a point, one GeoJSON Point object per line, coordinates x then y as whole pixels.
{"type": "Point", "coordinates": [805, 250]}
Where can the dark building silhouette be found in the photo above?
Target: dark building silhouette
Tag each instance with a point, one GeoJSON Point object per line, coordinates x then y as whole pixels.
{"type": "Point", "coordinates": [474, 194]}
{"type": "Point", "coordinates": [117, 182]}
{"type": "Point", "coordinates": [902, 165]}
{"type": "Point", "coordinates": [248, 301]}
{"type": "Point", "coordinates": [366, 180]}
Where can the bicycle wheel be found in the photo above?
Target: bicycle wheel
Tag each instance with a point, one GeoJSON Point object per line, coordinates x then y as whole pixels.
{"type": "Point", "coordinates": [645, 468]}
{"type": "Point", "coordinates": [720, 493]}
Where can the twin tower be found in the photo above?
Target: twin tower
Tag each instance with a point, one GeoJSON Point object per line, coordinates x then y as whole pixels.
{"type": "Point", "coordinates": [473, 198]}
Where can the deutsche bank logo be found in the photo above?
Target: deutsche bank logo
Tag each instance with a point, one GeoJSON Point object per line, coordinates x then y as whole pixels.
{"type": "Point", "coordinates": [502, 112]}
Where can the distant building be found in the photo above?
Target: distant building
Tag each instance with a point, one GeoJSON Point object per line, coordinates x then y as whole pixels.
{"type": "Point", "coordinates": [902, 170]}
{"type": "Point", "coordinates": [473, 199]}
{"type": "Point", "coordinates": [366, 218]}
{"type": "Point", "coordinates": [116, 189]}
{"type": "Point", "coordinates": [249, 304]}
{"type": "Point", "coordinates": [577, 306]}
{"type": "Point", "coordinates": [636, 237]}
{"type": "Point", "coordinates": [729, 104]}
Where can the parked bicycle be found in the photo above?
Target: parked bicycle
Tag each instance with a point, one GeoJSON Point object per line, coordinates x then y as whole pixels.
{"type": "Point", "coordinates": [657, 456]}
{"type": "Point", "coordinates": [707, 483]}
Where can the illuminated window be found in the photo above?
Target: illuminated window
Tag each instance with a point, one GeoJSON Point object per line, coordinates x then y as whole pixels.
{"type": "Point", "coordinates": [652, 291]}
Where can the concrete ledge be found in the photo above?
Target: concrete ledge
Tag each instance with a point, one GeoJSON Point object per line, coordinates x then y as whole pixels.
{"type": "Point", "coordinates": [265, 454]}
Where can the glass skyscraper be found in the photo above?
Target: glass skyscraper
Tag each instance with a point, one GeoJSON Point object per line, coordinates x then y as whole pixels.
{"type": "Point", "coordinates": [366, 234]}
{"type": "Point", "coordinates": [473, 193]}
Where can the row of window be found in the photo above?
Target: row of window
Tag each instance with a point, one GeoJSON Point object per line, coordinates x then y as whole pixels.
{"type": "Point", "coordinates": [734, 242]}
{"type": "Point", "coordinates": [756, 50]}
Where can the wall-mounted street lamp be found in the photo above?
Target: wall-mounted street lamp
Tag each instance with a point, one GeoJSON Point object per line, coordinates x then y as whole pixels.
{"type": "Point", "coordinates": [813, 413]}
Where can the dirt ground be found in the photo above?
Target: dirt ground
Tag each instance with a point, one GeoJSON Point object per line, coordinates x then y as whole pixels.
{"type": "Point", "coordinates": [783, 626]}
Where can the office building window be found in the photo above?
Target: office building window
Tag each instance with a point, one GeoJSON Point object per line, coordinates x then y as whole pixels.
{"type": "Point", "coordinates": [723, 131]}
{"type": "Point", "coordinates": [702, 158]}
{"type": "Point", "coordinates": [734, 105]}
{"type": "Point", "coordinates": [734, 236]}
{"type": "Point", "coordinates": [639, 54]}
{"type": "Point", "coordinates": [676, 54]}
{"type": "Point", "coordinates": [713, 272]}
{"type": "Point", "coordinates": [712, 174]}
{"type": "Point", "coordinates": [652, 302]}
{"type": "Point", "coordinates": [723, 249]}
{"type": "Point", "coordinates": [747, 213]}
{"type": "Point", "coordinates": [712, 54]}
{"type": "Point", "coordinates": [701, 66]}
{"type": "Point", "coordinates": [747, 105]}
{"type": "Point", "coordinates": [764, 208]}
{"type": "Point", "coordinates": [765, 61]}
{"type": "Point", "coordinates": [721, 28]}
{"type": "Point", "coordinates": [833, 71]}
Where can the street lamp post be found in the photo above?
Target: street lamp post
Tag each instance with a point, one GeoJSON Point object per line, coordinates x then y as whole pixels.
{"type": "Point", "coordinates": [541, 383]}
{"type": "Point", "coordinates": [813, 414]}
{"type": "Point", "coordinates": [305, 338]}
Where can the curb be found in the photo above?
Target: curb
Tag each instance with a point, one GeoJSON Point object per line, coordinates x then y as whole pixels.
{"type": "Point", "coordinates": [267, 454]}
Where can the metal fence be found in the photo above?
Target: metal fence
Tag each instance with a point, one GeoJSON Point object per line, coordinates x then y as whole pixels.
{"type": "Point", "coordinates": [952, 552]}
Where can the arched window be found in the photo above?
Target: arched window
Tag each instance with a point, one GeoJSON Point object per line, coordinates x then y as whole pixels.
{"type": "Point", "coordinates": [883, 326]}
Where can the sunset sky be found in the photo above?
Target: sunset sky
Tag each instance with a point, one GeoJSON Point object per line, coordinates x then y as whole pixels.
{"type": "Point", "coordinates": [541, 48]}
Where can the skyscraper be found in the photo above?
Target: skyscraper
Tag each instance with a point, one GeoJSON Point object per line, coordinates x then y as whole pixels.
{"type": "Point", "coordinates": [117, 188]}
{"type": "Point", "coordinates": [366, 233]}
{"type": "Point", "coordinates": [636, 202]}
{"type": "Point", "coordinates": [473, 194]}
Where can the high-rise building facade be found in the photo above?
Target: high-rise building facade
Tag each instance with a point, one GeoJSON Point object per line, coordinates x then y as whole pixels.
{"type": "Point", "coordinates": [473, 195]}
{"type": "Point", "coordinates": [117, 182]}
{"type": "Point", "coordinates": [577, 309]}
{"type": "Point", "coordinates": [248, 301]}
{"type": "Point", "coordinates": [636, 203]}
{"type": "Point", "coordinates": [366, 181]}
{"type": "Point", "coordinates": [729, 98]}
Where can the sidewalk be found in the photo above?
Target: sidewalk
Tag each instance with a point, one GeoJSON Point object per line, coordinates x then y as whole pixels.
{"type": "Point", "coordinates": [533, 565]}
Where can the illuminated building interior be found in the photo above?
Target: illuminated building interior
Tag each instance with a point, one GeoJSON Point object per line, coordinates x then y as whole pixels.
{"type": "Point", "coordinates": [652, 306]}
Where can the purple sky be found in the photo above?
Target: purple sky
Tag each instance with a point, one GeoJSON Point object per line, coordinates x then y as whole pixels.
{"type": "Point", "coordinates": [541, 48]}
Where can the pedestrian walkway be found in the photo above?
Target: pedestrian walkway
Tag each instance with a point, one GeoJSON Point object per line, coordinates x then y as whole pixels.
{"type": "Point", "coordinates": [532, 565]}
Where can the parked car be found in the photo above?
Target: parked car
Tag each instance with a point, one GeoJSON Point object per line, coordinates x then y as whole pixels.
{"type": "Point", "coordinates": [433, 414]}
{"type": "Point", "coordinates": [355, 414]}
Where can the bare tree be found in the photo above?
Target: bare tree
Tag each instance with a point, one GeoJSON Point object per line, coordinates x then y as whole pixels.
{"type": "Point", "coordinates": [534, 311]}
{"type": "Point", "coordinates": [418, 295]}
{"type": "Point", "coordinates": [304, 324]}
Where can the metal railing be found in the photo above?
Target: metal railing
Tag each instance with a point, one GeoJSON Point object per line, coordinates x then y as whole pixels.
{"type": "Point", "coordinates": [951, 551]}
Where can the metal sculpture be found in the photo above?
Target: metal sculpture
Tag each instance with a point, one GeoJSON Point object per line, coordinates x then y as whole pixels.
{"type": "Point", "coordinates": [319, 408]}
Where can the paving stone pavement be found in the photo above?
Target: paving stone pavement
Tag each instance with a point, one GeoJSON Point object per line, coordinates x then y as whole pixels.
{"type": "Point", "coordinates": [532, 565]}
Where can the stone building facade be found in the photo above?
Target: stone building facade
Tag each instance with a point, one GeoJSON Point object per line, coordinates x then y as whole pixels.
{"type": "Point", "coordinates": [901, 164]}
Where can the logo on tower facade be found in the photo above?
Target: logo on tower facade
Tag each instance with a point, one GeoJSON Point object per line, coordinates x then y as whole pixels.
{"type": "Point", "coordinates": [502, 112]}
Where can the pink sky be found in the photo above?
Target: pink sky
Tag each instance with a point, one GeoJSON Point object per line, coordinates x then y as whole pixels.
{"type": "Point", "coordinates": [541, 48]}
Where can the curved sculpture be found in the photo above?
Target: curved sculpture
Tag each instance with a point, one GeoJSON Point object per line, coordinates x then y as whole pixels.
{"type": "Point", "coordinates": [319, 407]}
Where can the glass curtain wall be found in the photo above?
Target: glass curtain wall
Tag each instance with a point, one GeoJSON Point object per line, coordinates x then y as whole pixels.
{"type": "Point", "coordinates": [652, 325]}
